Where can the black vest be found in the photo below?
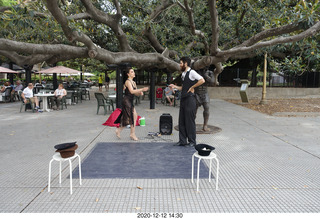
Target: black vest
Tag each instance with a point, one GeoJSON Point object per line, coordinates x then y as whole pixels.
{"type": "Point", "coordinates": [187, 83]}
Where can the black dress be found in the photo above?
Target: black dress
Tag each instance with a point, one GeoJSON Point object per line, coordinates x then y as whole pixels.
{"type": "Point", "coordinates": [126, 116]}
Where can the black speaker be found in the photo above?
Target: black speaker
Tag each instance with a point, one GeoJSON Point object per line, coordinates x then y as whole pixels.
{"type": "Point", "coordinates": [165, 124]}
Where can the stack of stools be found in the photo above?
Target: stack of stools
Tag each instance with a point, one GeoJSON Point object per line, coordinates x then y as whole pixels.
{"type": "Point", "coordinates": [204, 151]}
{"type": "Point", "coordinates": [65, 152]}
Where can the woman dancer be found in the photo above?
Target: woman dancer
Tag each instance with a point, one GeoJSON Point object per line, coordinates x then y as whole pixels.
{"type": "Point", "coordinates": [128, 114]}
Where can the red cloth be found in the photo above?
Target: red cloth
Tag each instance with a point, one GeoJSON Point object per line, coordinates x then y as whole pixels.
{"type": "Point", "coordinates": [114, 115]}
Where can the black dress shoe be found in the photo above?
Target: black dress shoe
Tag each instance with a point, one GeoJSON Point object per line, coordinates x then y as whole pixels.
{"type": "Point", "coordinates": [191, 145]}
{"type": "Point", "coordinates": [179, 144]}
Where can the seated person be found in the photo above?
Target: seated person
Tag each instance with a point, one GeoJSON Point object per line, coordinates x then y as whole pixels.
{"type": "Point", "coordinates": [27, 95]}
{"type": "Point", "coordinates": [169, 92]}
{"type": "Point", "coordinates": [18, 87]}
{"type": "Point", "coordinates": [4, 88]}
{"type": "Point", "coordinates": [59, 93]}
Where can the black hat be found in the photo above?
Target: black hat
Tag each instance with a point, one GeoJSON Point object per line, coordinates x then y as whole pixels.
{"type": "Point", "coordinates": [204, 149]}
{"type": "Point", "coordinates": [68, 152]}
{"type": "Point", "coordinates": [65, 145]}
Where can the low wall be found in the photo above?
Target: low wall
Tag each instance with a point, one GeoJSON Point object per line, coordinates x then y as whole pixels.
{"type": "Point", "coordinates": [256, 92]}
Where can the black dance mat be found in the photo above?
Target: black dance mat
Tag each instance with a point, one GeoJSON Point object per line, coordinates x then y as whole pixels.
{"type": "Point", "coordinates": [160, 160]}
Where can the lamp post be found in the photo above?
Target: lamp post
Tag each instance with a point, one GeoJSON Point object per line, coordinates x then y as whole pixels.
{"type": "Point", "coordinates": [264, 88]}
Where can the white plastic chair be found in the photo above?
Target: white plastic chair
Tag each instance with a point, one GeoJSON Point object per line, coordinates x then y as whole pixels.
{"type": "Point", "coordinates": [57, 157]}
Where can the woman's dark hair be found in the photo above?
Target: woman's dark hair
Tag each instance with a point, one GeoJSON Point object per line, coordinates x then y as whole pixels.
{"type": "Point", "coordinates": [128, 69]}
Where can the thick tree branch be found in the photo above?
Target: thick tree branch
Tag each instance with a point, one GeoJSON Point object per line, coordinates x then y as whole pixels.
{"type": "Point", "coordinates": [214, 26]}
{"type": "Point", "coordinates": [194, 31]}
{"type": "Point", "coordinates": [4, 8]}
{"type": "Point", "coordinates": [32, 48]}
{"type": "Point", "coordinates": [117, 5]}
{"type": "Point", "coordinates": [113, 21]}
{"type": "Point", "coordinates": [165, 4]}
{"type": "Point", "coordinates": [211, 60]}
{"type": "Point", "coordinates": [59, 52]}
{"type": "Point", "coordinates": [272, 32]}
{"type": "Point", "coordinates": [24, 60]}
{"type": "Point", "coordinates": [156, 44]}
{"type": "Point", "coordinates": [79, 16]}
{"type": "Point", "coordinates": [71, 35]}
{"type": "Point", "coordinates": [279, 40]}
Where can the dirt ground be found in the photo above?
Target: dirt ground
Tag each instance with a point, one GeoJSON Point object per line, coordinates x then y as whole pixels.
{"type": "Point", "coordinates": [273, 106]}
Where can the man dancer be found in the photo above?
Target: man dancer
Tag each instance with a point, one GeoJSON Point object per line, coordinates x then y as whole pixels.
{"type": "Point", "coordinates": [188, 106]}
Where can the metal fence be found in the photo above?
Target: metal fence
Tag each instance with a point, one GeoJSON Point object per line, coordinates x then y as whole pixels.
{"type": "Point", "coordinates": [307, 80]}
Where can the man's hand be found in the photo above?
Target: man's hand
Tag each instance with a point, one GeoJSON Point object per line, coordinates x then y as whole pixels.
{"type": "Point", "coordinates": [191, 89]}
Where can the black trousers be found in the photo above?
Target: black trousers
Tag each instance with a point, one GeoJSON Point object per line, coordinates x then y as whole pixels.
{"type": "Point", "coordinates": [187, 117]}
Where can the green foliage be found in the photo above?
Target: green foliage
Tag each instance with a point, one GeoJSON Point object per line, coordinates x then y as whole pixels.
{"type": "Point", "coordinates": [238, 21]}
{"type": "Point", "coordinates": [7, 2]}
{"type": "Point", "coordinates": [21, 24]}
{"type": "Point", "coordinates": [302, 57]}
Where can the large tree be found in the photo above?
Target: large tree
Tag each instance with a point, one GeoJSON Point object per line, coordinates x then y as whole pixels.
{"type": "Point", "coordinates": [150, 33]}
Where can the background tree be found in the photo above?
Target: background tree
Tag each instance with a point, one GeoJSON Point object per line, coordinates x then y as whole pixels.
{"type": "Point", "coordinates": [149, 33]}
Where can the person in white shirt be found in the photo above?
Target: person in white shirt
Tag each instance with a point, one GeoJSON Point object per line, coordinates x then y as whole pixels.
{"type": "Point", "coordinates": [27, 95]}
{"type": "Point", "coordinates": [18, 87]}
{"type": "Point", "coordinates": [59, 93]}
{"type": "Point", "coordinates": [169, 93]}
{"type": "Point", "coordinates": [188, 106]}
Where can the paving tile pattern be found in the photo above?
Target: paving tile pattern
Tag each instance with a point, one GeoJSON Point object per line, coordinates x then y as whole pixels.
{"type": "Point", "coordinates": [267, 163]}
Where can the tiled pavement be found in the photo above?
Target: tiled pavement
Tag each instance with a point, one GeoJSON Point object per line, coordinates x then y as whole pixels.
{"type": "Point", "coordinates": [267, 164]}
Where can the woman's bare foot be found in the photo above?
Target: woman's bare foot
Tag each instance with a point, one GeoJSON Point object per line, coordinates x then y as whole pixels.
{"type": "Point", "coordinates": [118, 133]}
{"type": "Point", "coordinates": [134, 138]}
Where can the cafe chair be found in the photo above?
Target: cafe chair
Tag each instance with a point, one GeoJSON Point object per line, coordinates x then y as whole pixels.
{"type": "Point", "coordinates": [7, 95]}
{"type": "Point", "coordinates": [27, 105]}
{"type": "Point", "coordinates": [104, 102]}
{"type": "Point", "coordinates": [77, 95]}
{"type": "Point", "coordinates": [85, 94]}
{"type": "Point", "coordinates": [63, 101]}
{"type": "Point", "coordinates": [69, 97]}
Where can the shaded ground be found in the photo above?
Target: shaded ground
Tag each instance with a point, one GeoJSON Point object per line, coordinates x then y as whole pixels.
{"type": "Point", "coordinates": [309, 105]}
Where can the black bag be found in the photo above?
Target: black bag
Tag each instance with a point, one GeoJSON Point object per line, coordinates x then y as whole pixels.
{"type": "Point", "coordinates": [165, 124]}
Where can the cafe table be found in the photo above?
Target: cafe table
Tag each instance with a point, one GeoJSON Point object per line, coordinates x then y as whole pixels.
{"type": "Point", "coordinates": [112, 96]}
{"type": "Point", "coordinates": [45, 100]}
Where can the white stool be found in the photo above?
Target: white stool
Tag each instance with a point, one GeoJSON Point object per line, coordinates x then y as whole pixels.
{"type": "Point", "coordinates": [210, 157]}
{"type": "Point", "coordinates": [57, 157]}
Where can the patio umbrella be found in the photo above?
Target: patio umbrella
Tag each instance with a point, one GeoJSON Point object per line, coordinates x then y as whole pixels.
{"type": "Point", "coordinates": [87, 74]}
{"type": "Point", "coordinates": [59, 69]}
{"type": "Point", "coordinates": [6, 70]}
